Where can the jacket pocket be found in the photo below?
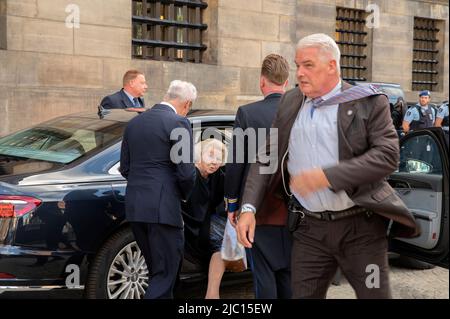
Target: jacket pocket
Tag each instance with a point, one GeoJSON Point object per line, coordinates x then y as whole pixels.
{"type": "Point", "coordinates": [383, 192]}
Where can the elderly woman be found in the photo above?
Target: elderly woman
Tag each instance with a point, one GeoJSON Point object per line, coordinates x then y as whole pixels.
{"type": "Point", "coordinates": [204, 214]}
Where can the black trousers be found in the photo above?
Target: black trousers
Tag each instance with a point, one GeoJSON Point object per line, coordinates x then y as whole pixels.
{"type": "Point", "coordinates": [358, 245]}
{"type": "Point", "coordinates": [162, 247]}
{"type": "Point", "coordinates": [270, 262]}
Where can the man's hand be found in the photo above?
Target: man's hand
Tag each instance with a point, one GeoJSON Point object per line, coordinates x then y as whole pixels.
{"type": "Point", "coordinates": [246, 229]}
{"type": "Point", "coordinates": [307, 182]}
{"type": "Point", "coordinates": [232, 218]}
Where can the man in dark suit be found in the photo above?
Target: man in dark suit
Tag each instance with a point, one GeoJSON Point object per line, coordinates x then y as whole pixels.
{"type": "Point", "coordinates": [270, 256]}
{"type": "Point", "coordinates": [158, 181]}
{"type": "Point", "coordinates": [342, 146]}
{"type": "Point", "coordinates": [131, 95]}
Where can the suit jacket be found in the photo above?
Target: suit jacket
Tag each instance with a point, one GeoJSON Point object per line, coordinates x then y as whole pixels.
{"type": "Point", "coordinates": [255, 115]}
{"type": "Point", "coordinates": [368, 153]}
{"type": "Point", "coordinates": [119, 100]}
{"type": "Point", "coordinates": [155, 185]}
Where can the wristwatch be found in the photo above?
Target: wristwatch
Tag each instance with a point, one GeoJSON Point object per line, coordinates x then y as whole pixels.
{"type": "Point", "coordinates": [247, 208]}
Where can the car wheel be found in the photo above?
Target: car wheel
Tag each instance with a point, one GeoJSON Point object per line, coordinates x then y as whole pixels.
{"type": "Point", "coordinates": [411, 263]}
{"type": "Point", "coordinates": [118, 271]}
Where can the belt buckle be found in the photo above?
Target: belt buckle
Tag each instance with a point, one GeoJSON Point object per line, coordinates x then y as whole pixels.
{"type": "Point", "coordinates": [327, 216]}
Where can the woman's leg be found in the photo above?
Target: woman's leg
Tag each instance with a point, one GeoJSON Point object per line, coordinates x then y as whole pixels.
{"type": "Point", "coordinates": [216, 270]}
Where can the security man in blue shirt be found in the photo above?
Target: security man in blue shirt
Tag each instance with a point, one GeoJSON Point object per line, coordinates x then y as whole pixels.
{"type": "Point", "coordinates": [442, 117]}
{"type": "Point", "coordinates": [442, 120]}
{"type": "Point", "coordinates": [421, 115]}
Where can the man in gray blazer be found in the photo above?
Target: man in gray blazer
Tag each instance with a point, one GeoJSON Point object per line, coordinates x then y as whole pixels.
{"type": "Point", "coordinates": [336, 145]}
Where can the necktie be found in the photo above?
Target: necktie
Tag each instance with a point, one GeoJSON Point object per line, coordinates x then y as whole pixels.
{"type": "Point", "coordinates": [353, 93]}
{"type": "Point", "coordinates": [315, 104]}
{"type": "Point", "coordinates": [136, 102]}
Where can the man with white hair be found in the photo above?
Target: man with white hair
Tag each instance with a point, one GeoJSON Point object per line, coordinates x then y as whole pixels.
{"type": "Point", "coordinates": [157, 183]}
{"type": "Point", "coordinates": [340, 145]}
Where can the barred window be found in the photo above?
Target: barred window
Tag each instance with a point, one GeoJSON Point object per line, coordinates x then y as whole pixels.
{"type": "Point", "coordinates": [351, 36]}
{"type": "Point", "coordinates": [2, 25]}
{"type": "Point", "coordinates": [425, 55]}
{"type": "Point", "coordinates": [169, 30]}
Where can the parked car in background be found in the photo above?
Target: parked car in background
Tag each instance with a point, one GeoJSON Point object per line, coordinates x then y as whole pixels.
{"type": "Point", "coordinates": [62, 205]}
{"type": "Point", "coordinates": [396, 98]}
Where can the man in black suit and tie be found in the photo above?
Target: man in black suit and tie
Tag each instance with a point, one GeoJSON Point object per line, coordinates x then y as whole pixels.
{"type": "Point", "coordinates": [158, 179]}
{"type": "Point", "coordinates": [131, 95]}
{"type": "Point", "coordinates": [270, 255]}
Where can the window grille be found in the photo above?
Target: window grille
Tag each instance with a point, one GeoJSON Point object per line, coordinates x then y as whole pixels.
{"type": "Point", "coordinates": [351, 37]}
{"type": "Point", "coordinates": [169, 30]}
{"type": "Point", "coordinates": [425, 53]}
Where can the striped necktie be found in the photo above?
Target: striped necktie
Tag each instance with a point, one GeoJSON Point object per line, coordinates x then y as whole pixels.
{"type": "Point", "coordinates": [352, 94]}
{"type": "Point", "coordinates": [315, 104]}
{"type": "Point", "coordinates": [136, 102]}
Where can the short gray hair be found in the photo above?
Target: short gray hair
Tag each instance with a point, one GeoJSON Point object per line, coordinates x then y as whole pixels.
{"type": "Point", "coordinates": [325, 44]}
{"type": "Point", "coordinates": [205, 145]}
{"type": "Point", "coordinates": [182, 91]}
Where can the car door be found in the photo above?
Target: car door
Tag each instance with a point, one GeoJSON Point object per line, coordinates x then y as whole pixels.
{"type": "Point", "coordinates": [422, 183]}
{"type": "Point", "coordinates": [218, 129]}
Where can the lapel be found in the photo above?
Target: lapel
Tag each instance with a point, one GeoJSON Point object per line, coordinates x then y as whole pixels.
{"type": "Point", "coordinates": [288, 119]}
{"type": "Point", "coordinates": [290, 110]}
{"type": "Point", "coordinates": [291, 113]}
{"type": "Point", "coordinates": [126, 101]}
{"type": "Point", "coordinates": [346, 112]}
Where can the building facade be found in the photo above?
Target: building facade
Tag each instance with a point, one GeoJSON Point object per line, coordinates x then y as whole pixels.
{"type": "Point", "coordinates": [62, 56]}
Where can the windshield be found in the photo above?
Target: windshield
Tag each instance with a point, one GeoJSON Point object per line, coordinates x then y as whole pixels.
{"type": "Point", "coordinates": [62, 140]}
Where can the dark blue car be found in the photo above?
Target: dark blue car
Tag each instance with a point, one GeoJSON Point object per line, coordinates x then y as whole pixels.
{"type": "Point", "coordinates": [62, 208]}
{"type": "Point", "coordinates": [62, 205]}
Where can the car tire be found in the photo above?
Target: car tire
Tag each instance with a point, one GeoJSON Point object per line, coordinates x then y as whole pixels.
{"type": "Point", "coordinates": [411, 263]}
{"type": "Point", "coordinates": [109, 277]}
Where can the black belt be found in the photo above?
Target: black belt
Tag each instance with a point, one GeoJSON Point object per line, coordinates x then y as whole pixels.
{"type": "Point", "coordinates": [296, 207]}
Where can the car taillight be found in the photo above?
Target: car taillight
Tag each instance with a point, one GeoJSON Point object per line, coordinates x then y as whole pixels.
{"type": "Point", "coordinates": [16, 206]}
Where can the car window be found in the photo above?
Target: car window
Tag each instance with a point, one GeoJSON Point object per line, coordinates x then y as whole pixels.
{"type": "Point", "coordinates": [392, 92]}
{"type": "Point", "coordinates": [114, 170]}
{"type": "Point", "coordinates": [222, 133]}
{"type": "Point", "coordinates": [420, 154]}
{"type": "Point", "coordinates": [62, 140]}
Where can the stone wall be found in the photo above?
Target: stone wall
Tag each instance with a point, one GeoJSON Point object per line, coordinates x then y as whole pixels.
{"type": "Point", "coordinates": [48, 70]}
{"type": "Point", "coordinates": [391, 44]}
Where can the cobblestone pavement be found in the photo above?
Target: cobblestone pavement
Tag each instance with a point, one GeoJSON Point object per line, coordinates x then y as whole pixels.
{"type": "Point", "coordinates": [405, 284]}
